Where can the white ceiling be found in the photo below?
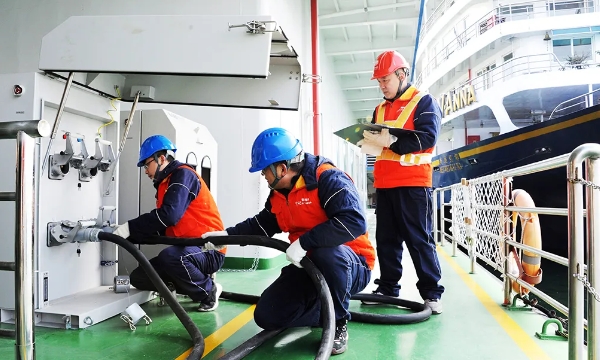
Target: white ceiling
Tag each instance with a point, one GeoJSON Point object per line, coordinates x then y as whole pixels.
{"type": "Point", "coordinates": [354, 32]}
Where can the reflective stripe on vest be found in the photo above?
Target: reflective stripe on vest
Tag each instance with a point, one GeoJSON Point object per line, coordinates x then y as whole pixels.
{"type": "Point", "coordinates": [406, 159]}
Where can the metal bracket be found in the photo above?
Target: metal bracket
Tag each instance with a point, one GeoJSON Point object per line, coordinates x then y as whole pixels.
{"type": "Point", "coordinates": [311, 78]}
{"type": "Point", "coordinates": [65, 231]}
{"type": "Point", "coordinates": [515, 307]}
{"type": "Point", "coordinates": [67, 319]}
{"type": "Point", "coordinates": [544, 334]}
{"type": "Point", "coordinates": [108, 157]}
{"type": "Point", "coordinates": [256, 27]}
{"type": "Point", "coordinates": [59, 162]}
{"type": "Point", "coordinates": [87, 165]}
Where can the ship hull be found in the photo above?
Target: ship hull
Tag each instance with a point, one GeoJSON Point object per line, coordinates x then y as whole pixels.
{"type": "Point", "coordinates": [522, 147]}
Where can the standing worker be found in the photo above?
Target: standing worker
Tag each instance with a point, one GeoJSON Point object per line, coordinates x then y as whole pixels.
{"type": "Point", "coordinates": [319, 206]}
{"type": "Point", "coordinates": [402, 179]}
{"type": "Point", "coordinates": [185, 208]}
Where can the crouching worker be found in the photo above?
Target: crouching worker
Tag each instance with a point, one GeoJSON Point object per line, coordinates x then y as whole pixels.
{"type": "Point", "coordinates": [185, 208]}
{"type": "Point", "coordinates": [318, 205]}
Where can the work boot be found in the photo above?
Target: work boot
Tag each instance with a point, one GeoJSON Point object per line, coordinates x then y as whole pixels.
{"type": "Point", "coordinates": [340, 341]}
{"type": "Point", "coordinates": [435, 305]}
{"type": "Point", "coordinates": [212, 302]}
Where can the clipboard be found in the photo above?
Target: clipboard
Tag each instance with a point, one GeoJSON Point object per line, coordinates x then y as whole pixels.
{"type": "Point", "coordinates": [354, 133]}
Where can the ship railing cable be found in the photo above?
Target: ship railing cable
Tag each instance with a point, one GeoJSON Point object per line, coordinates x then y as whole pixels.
{"type": "Point", "coordinates": [582, 278]}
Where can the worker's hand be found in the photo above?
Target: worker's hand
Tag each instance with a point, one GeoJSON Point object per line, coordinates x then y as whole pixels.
{"type": "Point", "coordinates": [122, 230]}
{"type": "Point", "coordinates": [369, 148]}
{"type": "Point", "coordinates": [295, 253]}
{"type": "Point", "coordinates": [210, 246]}
{"type": "Point", "coordinates": [383, 138]}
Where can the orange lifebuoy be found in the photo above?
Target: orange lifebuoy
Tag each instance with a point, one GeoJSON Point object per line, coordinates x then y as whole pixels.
{"type": "Point", "coordinates": [529, 264]}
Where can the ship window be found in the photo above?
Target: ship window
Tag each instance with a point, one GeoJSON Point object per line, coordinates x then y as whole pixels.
{"type": "Point", "coordinates": [565, 5]}
{"type": "Point", "coordinates": [518, 9]}
{"type": "Point", "coordinates": [566, 48]}
{"type": "Point", "coordinates": [507, 57]}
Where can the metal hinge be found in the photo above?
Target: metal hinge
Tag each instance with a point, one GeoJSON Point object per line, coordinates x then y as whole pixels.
{"type": "Point", "coordinates": [256, 27]}
{"type": "Point", "coordinates": [311, 78]}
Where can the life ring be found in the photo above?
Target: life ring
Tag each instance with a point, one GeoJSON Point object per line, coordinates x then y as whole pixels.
{"type": "Point", "coordinates": [528, 266]}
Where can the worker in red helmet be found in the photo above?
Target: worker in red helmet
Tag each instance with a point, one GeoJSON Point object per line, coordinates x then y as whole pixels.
{"type": "Point", "coordinates": [402, 179]}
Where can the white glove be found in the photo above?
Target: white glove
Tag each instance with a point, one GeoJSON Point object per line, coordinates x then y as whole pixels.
{"type": "Point", "coordinates": [214, 233]}
{"type": "Point", "coordinates": [383, 138]}
{"type": "Point", "coordinates": [122, 230]}
{"type": "Point", "coordinates": [295, 253]}
{"type": "Point", "coordinates": [210, 246]}
{"type": "Point", "coordinates": [369, 148]}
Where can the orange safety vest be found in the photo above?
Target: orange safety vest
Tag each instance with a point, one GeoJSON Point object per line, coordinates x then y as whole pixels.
{"type": "Point", "coordinates": [394, 170]}
{"type": "Point", "coordinates": [302, 211]}
{"type": "Point", "coordinates": [201, 216]}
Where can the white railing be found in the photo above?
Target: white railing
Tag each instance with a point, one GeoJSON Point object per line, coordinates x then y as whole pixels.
{"type": "Point", "coordinates": [437, 13]}
{"type": "Point", "coordinates": [481, 222]}
{"type": "Point", "coordinates": [580, 102]}
{"type": "Point", "coordinates": [505, 13]}
{"type": "Point", "coordinates": [523, 65]}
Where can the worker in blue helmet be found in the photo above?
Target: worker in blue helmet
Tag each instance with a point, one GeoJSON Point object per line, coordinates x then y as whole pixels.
{"type": "Point", "coordinates": [319, 206]}
{"type": "Point", "coordinates": [185, 208]}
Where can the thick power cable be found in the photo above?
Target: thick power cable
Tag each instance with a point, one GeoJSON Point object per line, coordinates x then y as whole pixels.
{"type": "Point", "coordinates": [421, 313]}
{"type": "Point", "coordinates": [186, 321]}
{"type": "Point", "coordinates": [327, 310]}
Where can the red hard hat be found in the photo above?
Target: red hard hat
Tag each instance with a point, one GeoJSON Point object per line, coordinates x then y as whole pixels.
{"type": "Point", "coordinates": [387, 63]}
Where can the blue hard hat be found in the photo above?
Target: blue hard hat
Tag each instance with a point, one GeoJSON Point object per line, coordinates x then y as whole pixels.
{"type": "Point", "coordinates": [153, 144]}
{"type": "Point", "coordinates": [273, 145]}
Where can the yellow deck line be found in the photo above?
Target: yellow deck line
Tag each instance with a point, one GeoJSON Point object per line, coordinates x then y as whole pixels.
{"type": "Point", "coordinates": [223, 333]}
{"type": "Point", "coordinates": [519, 336]}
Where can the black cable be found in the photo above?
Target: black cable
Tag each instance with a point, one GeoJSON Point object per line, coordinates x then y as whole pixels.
{"type": "Point", "coordinates": [422, 312]}
{"type": "Point", "coordinates": [249, 345]}
{"type": "Point", "coordinates": [327, 310]}
{"type": "Point", "coordinates": [186, 321]}
{"type": "Point", "coordinates": [7, 333]}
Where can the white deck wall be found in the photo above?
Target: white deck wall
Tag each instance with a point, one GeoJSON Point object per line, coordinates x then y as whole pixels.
{"type": "Point", "coordinates": [240, 194]}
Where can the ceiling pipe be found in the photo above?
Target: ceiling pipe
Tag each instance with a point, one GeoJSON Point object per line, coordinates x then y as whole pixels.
{"type": "Point", "coordinates": [367, 9]}
{"type": "Point", "coordinates": [314, 32]}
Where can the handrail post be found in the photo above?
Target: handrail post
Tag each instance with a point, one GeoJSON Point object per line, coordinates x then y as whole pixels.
{"type": "Point", "coordinates": [468, 219]}
{"type": "Point", "coordinates": [506, 229]}
{"type": "Point", "coordinates": [436, 217]}
{"type": "Point", "coordinates": [593, 248]}
{"type": "Point", "coordinates": [24, 229]}
{"type": "Point", "coordinates": [442, 222]}
{"type": "Point", "coordinates": [576, 246]}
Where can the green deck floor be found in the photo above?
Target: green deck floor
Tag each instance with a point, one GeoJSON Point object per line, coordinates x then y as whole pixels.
{"type": "Point", "coordinates": [473, 326]}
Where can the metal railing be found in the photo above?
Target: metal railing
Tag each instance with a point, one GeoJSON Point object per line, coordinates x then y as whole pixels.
{"type": "Point", "coordinates": [505, 13]}
{"type": "Point", "coordinates": [579, 102]}
{"type": "Point", "coordinates": [481, 223]}
{"type": "Point", "coordinates": [24, 198]}
{"type": "Point", "coordinates": [523, 65]}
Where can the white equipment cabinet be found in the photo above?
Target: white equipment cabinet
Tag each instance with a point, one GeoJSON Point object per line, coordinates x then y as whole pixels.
{"type": "Point", "coordinates": [195, 145]}
{"type": "Point", "coordinates": [231, 61]}
{"type": "Point", "coordinates": [227, 61]}
{"type": "Point", "coordinates": [71, 288]}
